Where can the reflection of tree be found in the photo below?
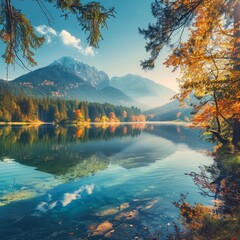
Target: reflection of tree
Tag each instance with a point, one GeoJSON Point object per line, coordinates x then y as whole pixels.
{"type": "Point", "coordinates": [65, 152]}
{"type": "Point", "coordinates": [179, 134]}
{"type": "Point", "coordinates": [221, 180]}
{"type": "Point", "coordinates": [30, 135]}
{"type": "Point", "coordinates": [222, 184]}
{"type": "Point", "coordinates": [224, 189]}
{"type": "Point", "coordinates": [85, 167]}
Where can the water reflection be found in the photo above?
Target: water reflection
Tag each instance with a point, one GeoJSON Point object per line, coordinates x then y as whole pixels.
{"type": "Point", "coordinates": [71, 152]}
{"type": "Point", "coordinates": [77, 152]}
{"type": "Point", "coordinates": [77, 182]}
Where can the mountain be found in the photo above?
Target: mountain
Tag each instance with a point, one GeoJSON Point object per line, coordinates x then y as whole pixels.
{"type": "Point", "coordinates": [170, 112]}
{"type": "Point", "coordinates": [143, 90]}
{"type": "Point", "coordinates": [66, 71]}
{"type": "Point", "coordinates": [115, 95]}
{"type": "Point", "coordinates": [70, 79]}
{"type": "Point", "coordinates": [88, 74]}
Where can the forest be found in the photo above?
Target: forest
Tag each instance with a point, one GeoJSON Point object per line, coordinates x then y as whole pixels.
{"type": "Point", "coordinates": [204, 41]}
{"type": "Point", "coordinates": [22, 108]}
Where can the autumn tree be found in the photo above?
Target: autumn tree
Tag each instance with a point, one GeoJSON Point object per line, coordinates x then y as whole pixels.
{"type": "Point", "coordinates": [18, 34]}
{"type": "Point", "coordinates": [79, 116]}
{"type": "Point", "coordinates": [209, 59]}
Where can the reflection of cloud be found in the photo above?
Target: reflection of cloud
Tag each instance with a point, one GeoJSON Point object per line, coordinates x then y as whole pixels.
{"type": "Point", "coordinates": [48, 32]}
{"type": "Point", "coordinates": [69, 197]}
{"type": "Point", "coordinates": [71, 40]}
{"type": "Point", "coordinates": [44, 206]}
{"type": "Point", "coordinates": [89, 188]}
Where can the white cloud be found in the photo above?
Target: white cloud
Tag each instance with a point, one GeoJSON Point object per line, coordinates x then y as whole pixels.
{"type": "Point", "coordinates": [66, 37]}
{"type": "Point", "coordinates": [71, 40]}
{"type": "Point", "coordinates": [43, 29]}
{"type": "Point", "coordinates": [48, 32]}
{"type": "Point", "coordinates": [89, 51]}
{"type": "Point", "coordinates": [45, 206]}
{"type": "Point", "coordinates": [89, 188]}
{"type": "Point", "coordinates": [69, 197]}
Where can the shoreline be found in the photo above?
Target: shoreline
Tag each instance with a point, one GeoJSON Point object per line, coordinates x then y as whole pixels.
{"type": "Point", "coordinates": [23, 123]}
{"type": "Point", "coordinates": [180, 123]}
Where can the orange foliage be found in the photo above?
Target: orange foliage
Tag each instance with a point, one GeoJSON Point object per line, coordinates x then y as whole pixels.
{"type": "Point", "coordinates": [207, 64]}
{"type": "Point", "coordinates": [79, 133]}
{"type": "Point", "coordinates": [112, 128]}
{"type": "Point", "coordinates": [139, 126]}
{"type": "Point", "coordinates": [137, 118]}
{"type": "Point", "coordinates": [79, 115]}
{"type": "Point", "coordinates": [124, 130]}
{"type": "Point", "coordinates": [193, 216]}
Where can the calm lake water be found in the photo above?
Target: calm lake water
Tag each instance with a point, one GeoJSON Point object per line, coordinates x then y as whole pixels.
{"type": "Point", "coordinates": [95, 183]}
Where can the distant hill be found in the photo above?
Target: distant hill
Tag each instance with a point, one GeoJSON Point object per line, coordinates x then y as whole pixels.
{"type": "Point", "coordinates": [170, 112]}
{"type": "Point", "coordinates": [70, 79]}
{"type": "Point", "coordinates": [143, 90]}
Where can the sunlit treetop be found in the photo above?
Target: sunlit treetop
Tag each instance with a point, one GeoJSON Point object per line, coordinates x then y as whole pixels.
{"type": "Point", "coordinates": [173, 17]}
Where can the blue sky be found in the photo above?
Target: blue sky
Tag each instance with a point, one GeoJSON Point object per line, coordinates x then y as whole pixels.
{"type": "Point", "coordinates": [120, 52]}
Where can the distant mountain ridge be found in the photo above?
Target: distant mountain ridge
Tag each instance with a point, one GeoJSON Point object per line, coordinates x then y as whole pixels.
{"type": "Point", "coordinates": [69, 78]}
{"type": "Point", "coordinates": [143, 90]}
{"type": "Point", "coordinates": [171, 112]}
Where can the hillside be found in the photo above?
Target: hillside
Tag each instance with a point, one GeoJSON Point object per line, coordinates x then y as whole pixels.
{"type": "Point", "coordinates": [70, 79]}
{"type": "Point", "coordinates": [170, 112]}
{"type": "Point", "coordinates": [143, 90]}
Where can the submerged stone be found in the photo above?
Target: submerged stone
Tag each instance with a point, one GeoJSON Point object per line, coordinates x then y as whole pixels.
{"type": "Point", "coordinates": [127, 215]}
{"type": "Point", "coordinates": [123, 230]}
{"type": "Point", "coordinates": [102, 228]}
{"type": "Point", "coordinates": [107, 212]}
{"type": "Point", "coordinates": [16, 196]}
{"type": "Point", "coordinates": [124, 206]}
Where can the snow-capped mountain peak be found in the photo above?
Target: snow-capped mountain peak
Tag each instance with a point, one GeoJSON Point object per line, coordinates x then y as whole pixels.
{"type": "Point", "coordinates": [89, 74]}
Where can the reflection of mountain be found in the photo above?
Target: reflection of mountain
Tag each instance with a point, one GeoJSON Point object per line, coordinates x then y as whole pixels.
{"type": "Point", "coordinates": [144, 151]}
{"type": "Point", "coordinates": [69, 153]}
{"type": "Point", "coordinates": [65, 152]}
{"type": "Point", "coordinates": [179, 135]}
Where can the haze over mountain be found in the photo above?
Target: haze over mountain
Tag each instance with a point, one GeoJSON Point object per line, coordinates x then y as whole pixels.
{"type": "Point", "coordinates": [69, 78]}
{"type": "Point", "coordinates": [143, 90]}
{"type": "Point", "coordinates": [172, 110]}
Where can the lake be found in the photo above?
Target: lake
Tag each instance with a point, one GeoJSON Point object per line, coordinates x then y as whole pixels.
{"type": "Point", "coordinates": [102, 182]}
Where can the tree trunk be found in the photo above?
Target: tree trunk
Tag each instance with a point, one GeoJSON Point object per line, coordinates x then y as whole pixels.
{"type": "Point", "coordinates": [236, 14]}
{"type": "Point", "coordinates": [236, 132]}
